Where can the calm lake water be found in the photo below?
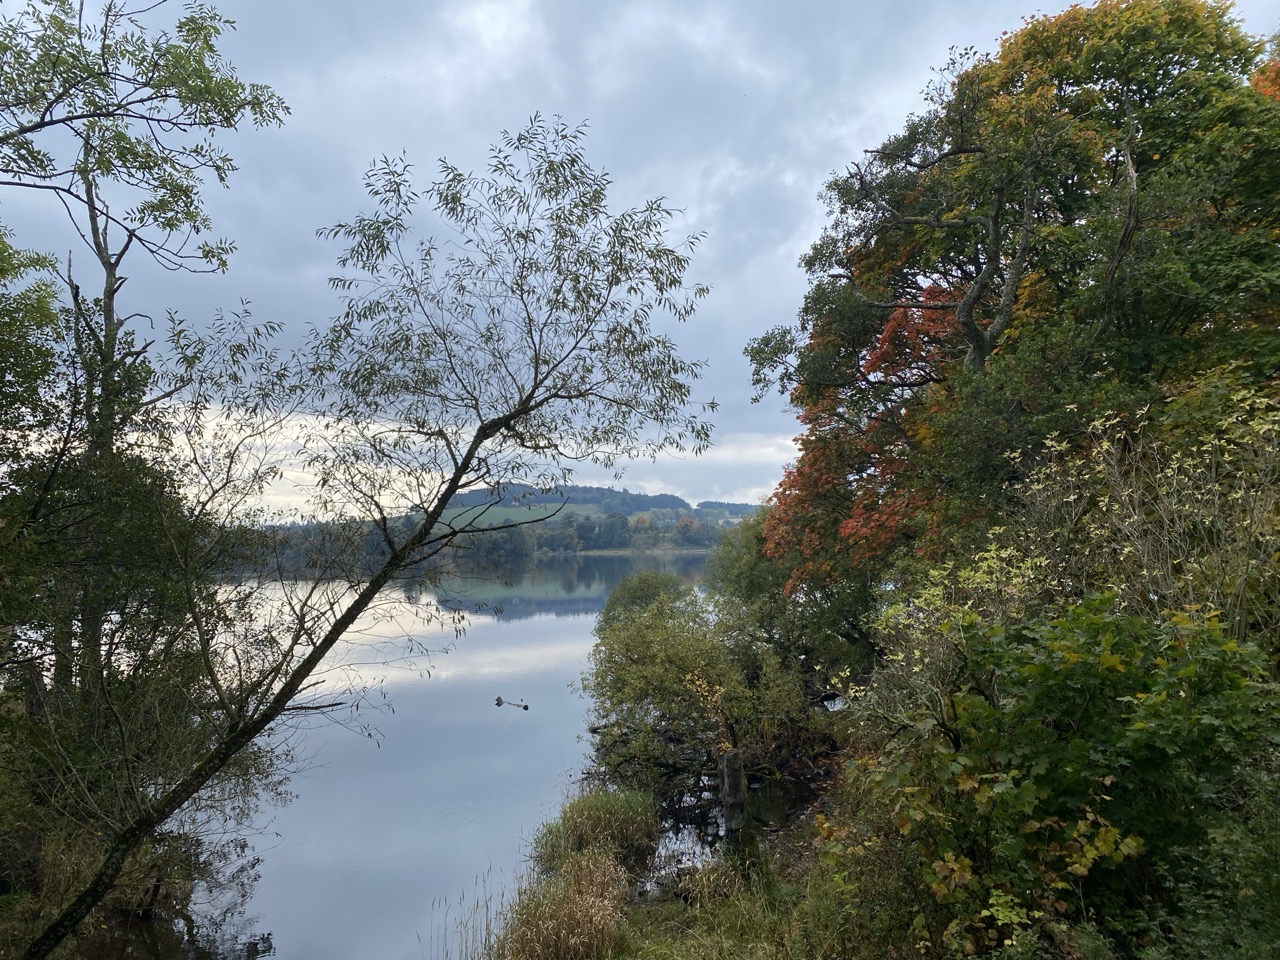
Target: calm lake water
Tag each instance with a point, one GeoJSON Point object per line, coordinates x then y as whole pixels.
{"type": "Point", "coordinates": [385, 833]}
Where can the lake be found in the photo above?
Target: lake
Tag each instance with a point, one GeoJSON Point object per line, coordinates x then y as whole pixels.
{"type": "Point", "coordinates": [440, 806]}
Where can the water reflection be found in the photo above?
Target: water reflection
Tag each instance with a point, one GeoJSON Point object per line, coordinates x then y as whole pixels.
{"type": "Point", "coordinates": [232, 937]}
{"type": "Point", "coordinates": [450, 790]}
{"type": "Point", "coordinates": [564, 586]}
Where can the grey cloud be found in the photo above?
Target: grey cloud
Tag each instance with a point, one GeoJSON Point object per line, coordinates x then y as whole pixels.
{"type": "Point", "coordinates": [735, 111]}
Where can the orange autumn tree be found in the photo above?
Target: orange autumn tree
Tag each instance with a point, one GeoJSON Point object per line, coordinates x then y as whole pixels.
{"type": "Point", "coordinates": [821, 521]}
{"type": "Point", "coordinates": [1267, 80]}
{"type": "Point", "coordinates": [1072, 224]}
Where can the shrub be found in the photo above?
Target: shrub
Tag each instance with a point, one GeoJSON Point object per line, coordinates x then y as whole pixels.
{"type": "Point", "coordinates": [622, 824]}
{"type": "Point", "coordinates": [1071, 767]}
{"type": "Point", "coordinates": [1228, 887]}
{"type": "Point", "coordinates": [1168, 514]}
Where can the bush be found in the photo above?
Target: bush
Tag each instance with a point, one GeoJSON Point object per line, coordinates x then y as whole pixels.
{"type": "Point", "coordinates": [1067, 773]}
{"type": "Point", "coordinates": [622, 824]}
{"type": "Point", "coordinates": [1168, 514]}
{"type": "Point", "coordinates": [1228, 887]}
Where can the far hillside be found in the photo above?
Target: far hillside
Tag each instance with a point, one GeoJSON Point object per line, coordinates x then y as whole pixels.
{"type": "Point", "coordinates": [596, 500]}
{"type": "Point", "coordinates": [577, 518]}
{"type": "Point", "coordinates": [523, 522]}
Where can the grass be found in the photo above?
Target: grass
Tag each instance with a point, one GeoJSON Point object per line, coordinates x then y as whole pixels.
{"type": "Point", "coordinates": [622, 823]}
{"type": "Point", "coordinates": [574, 905]}
{"type": "Point", "coordinates": [719, 912]}
{"type": "Point", "coordinates": [575, 913]}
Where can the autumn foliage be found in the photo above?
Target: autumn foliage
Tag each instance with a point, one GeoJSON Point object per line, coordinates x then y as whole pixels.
{"type": "Point", "coordinates": [1037, 372]}
{"type": "Point", "coordinates": [1077, 221]}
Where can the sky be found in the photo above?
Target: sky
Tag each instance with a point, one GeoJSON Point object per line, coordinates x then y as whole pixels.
{"type": "Point", "coordinates": [736, 111]}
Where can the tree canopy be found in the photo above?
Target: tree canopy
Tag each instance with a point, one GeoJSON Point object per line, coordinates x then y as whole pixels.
{"type": "Point", "coordinates": [1073, 223]}
{"type": "Point", "coordinates": [1036, 371]}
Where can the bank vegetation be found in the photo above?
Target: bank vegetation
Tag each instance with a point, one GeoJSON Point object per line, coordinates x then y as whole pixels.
{"type": "Point", "coordinates": [1031, 542]}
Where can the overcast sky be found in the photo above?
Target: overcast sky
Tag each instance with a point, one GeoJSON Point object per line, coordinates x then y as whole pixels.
{"type": "Point", "coordinates": [736, 111]}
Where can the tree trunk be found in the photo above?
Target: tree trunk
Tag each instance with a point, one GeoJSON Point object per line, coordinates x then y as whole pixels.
{"type": "Point", "coordinates": [733, 799]}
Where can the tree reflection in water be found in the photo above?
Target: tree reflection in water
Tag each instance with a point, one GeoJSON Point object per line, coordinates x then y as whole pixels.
{"type": "Point", "coordinates": [550, 587]}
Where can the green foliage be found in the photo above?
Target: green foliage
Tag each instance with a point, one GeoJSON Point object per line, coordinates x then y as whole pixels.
{"type": "Point", "coordinates": [141, 108]}
{"type": "Point", "coordinates": [662, 687]}
{"type": "Point", "coordinates": [818, 633]}
{"type": "Point", "coordinates": [1227, 887]}
{"type": "Point", "coordinates": [622, 824]}
{"type": "Point", "coordinates": [1171, 512]}
{"type": "Point", "coordinates": [1076, 224]}
{"type": "Point", "coordinates": [1069, 764]}
{"type": "Point", "coordinates": [28, 345]}
{"type": "Point", "coordinates": [636, 593]}
{"type": "Point", "coordinates": [1114, 754]}
{"type": "Point", "coordinates": [738, 572]}
{"type": "Point", "coordinates": [674, 682]}
{"type": "Point", "coordinates": [436, 337]}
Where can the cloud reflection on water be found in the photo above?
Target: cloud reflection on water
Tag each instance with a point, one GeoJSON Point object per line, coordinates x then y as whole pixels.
{"type": "Point", "coordinates": [513, 624]}
{"type": "Point", "coordinates": [441, 810]}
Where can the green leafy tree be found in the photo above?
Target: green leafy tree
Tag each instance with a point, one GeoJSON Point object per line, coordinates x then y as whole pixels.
{"type": "Point", "coordinates": [526, 348]}
{"type": "Point", "coordinates": [639, 591]}
{"type": "Point", "coordinates": [675, 681]}
{"type": "Point", "coordinates": [615, 532]}
{"type": "Point", "coordinates": [139, 109]}
{"type": "Point", "coordinates": [818, 631]}
{"type": "Point", "coordinates": [119, 123]}
{"type": "Point", "coordinates": [28, 324]}
{"type": "Point", "coordinates": [667, 696]}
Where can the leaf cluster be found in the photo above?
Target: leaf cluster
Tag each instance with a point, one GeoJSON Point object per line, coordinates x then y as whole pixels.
{"type": "Point", "coordinates": [92, 97]}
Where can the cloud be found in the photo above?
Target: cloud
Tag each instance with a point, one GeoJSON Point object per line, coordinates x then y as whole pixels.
{"type": "Point", "coordinates": [743, 467]}
{"type": "Point", "coordinates": [405, 643]}
{"type": "Point", "coordinates": [737, 112]}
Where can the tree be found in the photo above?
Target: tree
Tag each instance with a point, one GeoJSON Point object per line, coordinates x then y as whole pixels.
{"type": "Point", "coordinates": [522, 346]}
{"type": "Point", "coordinates": [816, 631]}
{"type": "Point", "coordinates": [615, 532]}
{"type": "Point", "coordinates": [686, 530]}
{"type": "Point", "coordinates": [28, 319]}
{"type": "Point", "coordinates": [103, 688]}
{"type": "Point", "coordinates": [674, 683]}
{"type": "Point", "coordinates": [140, 109]}
{"type": "Point", "coordinates": [639, 591]}
{"type": "Point", "coordinates": [1072, 224]}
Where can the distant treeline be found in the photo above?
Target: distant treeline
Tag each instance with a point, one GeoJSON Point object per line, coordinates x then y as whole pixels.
{"type": "Point", "coordinates": [606, 499]}
{"type": "Point", "coordinates": [519, 525]}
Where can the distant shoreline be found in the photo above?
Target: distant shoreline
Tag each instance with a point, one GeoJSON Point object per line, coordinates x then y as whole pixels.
{"type": "Point", "coordinates": [629, 551]}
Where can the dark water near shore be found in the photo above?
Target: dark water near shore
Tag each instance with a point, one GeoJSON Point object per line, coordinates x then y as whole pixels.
{"type": "Point", "coordinates": [439, 806]}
